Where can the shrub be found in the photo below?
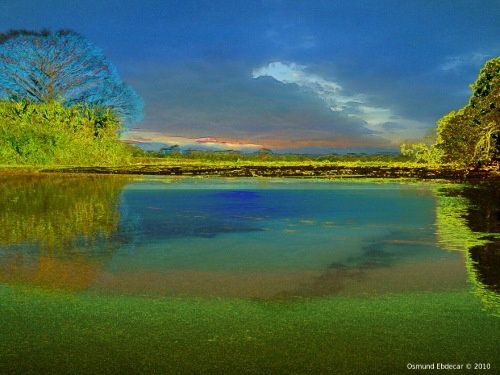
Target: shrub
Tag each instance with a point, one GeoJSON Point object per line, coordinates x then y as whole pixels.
{"type": "Point", "coordinates": [50, 133]}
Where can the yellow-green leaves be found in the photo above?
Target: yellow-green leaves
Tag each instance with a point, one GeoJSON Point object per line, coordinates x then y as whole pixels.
{"type": "Point", "coordinates": [51, 133]}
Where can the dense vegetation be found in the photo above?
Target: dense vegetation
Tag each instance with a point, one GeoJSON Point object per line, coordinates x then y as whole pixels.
{"type": "Point", "coordinates": [51, 133]}
{"type": "Point", "coordinates": [264, 156]}
{"type": "Point", "coordinates": [469, 136]}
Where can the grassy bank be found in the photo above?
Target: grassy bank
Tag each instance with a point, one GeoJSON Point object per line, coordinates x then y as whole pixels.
{"type": "Point", "coordinates": [267, 168]}
{"type": "Point", "coordinates": [58, 332]}
{"type": "Point", "coordinates": [279, 168]}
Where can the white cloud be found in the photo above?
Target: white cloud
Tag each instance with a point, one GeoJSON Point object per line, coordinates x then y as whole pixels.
{"type": "Point", "coordinates": [292, 73]}
{"type": "Point", "coordinates": [456, 63]}
{"type": "Point", "coordinates": [352, 105]}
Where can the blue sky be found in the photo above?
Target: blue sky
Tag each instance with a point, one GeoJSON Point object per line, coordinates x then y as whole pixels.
{"type": "Point", "coordinates": [290, 75]}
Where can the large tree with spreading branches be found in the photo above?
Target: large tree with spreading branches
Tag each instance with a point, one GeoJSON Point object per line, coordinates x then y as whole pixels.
{"type": "Point", "coordinates": [63, 66]}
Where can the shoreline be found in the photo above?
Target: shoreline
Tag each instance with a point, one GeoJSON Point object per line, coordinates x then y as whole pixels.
{"type": "Point", "coordinates": [311, 171]}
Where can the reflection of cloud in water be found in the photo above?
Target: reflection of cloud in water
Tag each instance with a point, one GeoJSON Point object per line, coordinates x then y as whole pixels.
{"type": "Point", "coordinates": [394, 262]}
{"type": "Point", "coordinates": [372, 279]}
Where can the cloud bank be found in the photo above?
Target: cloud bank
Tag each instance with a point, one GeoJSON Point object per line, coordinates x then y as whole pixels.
{"type": "Point", "coordinates": [224, 101]}
{"type": "Point", "coordinates": [382, 121]}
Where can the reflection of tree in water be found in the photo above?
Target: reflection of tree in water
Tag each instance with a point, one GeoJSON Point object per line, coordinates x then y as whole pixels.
{"type": "Point", "coordinates": [483, 215]}
{"type": "Point", "coordinates": [468, 219]}
{"type": "Point", "coordinates": [55, 230]}
{"type": "Point", "coordinates": [486, 262]}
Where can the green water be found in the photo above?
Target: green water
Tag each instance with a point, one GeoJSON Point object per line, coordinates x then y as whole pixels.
{"type": "Point", "coordinates": [160, 275]}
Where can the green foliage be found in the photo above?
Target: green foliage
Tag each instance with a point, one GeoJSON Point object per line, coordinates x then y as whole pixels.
{"type": "Point", "coordinates": [269, 158]}
{"type": "Point", "coordinates": [421, 153]}
{"type": "Point", "coordinates": [471, 135]}
{"type": "Point", "coordinates": [50, 133]}
{"type": "Point", "coordinates": [457, 137]}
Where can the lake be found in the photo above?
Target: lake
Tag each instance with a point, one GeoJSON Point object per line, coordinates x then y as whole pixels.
{"type": "Point", "coordinates": [189, 275]}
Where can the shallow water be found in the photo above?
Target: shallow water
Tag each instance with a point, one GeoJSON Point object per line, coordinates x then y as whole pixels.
{"type": "Point", "coordinates": [249, 238]}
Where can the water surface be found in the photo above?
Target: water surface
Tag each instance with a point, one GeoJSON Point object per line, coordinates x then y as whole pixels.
{"type": "Point", "coordinates": [249, 238]}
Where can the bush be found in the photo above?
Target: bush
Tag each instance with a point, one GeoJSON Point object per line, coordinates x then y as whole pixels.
{"type": "Point", "coordinates": [50, 133]}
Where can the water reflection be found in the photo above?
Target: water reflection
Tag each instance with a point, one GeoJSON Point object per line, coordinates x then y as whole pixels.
{"type": "Point", "coordinates": [486, 263]}
{"type": "Point", "coordinates": [483, 216]}
{"type": "Point", "coordinates": [468, 220]}
{"type": "Point", "coordinates": [240, 238]}
{"type": "Point", "coordinates": [55, 230]}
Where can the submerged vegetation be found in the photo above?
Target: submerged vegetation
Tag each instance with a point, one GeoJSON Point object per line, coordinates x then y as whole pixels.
{"type": "Point", "coordinates": [92, 334]}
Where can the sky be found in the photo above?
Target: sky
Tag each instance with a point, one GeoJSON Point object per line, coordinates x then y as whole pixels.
{"type": "Point", "coordinates": [292, 76]}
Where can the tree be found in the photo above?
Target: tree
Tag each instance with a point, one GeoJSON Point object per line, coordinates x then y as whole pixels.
{"type": "Point", "coordinates": [63, 66]}
{"type": "Point", "coordinates": [471, 135]}
{"type": "Point", "coordinates": [485, 104]}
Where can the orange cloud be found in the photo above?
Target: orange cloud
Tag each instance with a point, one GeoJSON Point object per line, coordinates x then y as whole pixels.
{"type": "Point", "coordinates": [146, 136]}
{"type": "Point", "coordinates": [271, 142]}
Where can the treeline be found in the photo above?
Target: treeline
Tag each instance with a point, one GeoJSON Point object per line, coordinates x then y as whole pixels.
{"type": "Point", "coordinates": [235, 156]}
